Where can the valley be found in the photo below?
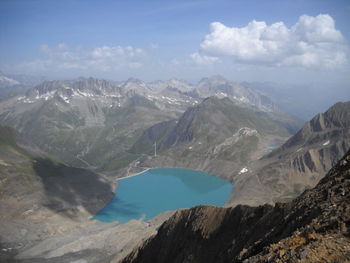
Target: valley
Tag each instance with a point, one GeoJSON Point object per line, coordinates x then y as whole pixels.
{"type": "Point", "coordinates": [71, 140]}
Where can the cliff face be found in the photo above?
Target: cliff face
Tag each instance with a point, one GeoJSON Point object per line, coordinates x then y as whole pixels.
{"type": "Point", "coordinates": [299, 163]}
{"type": "Point", "coordinates": [315, 227]}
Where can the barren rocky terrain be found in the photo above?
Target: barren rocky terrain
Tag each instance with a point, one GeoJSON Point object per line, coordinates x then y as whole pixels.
{"type": "Point", "coordinates": [315, 227]}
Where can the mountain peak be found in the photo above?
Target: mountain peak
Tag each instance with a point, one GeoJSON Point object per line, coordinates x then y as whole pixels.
{"type": "Point", "coordinates": [213, 80]}
{"type": "Point", "coordinates": [134, 80]}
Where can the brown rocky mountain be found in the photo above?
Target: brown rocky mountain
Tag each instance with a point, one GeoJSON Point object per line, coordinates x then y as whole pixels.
{"type": "Point", "coordinates": [215, 136]}
{"type": "Point", "coordinates": [315, 227]}
{"type": "Point", "coordinates": [299, 163]}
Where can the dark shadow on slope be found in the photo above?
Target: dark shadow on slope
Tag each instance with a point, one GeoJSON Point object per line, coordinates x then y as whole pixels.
{"type": "Point", "coordinates": [66, 188]}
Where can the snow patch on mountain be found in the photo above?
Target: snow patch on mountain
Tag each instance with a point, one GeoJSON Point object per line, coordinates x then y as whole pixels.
{"type": "Point", "coordinates": [244, 170]}
{"type": "Point", "coordinates": [326, 143]}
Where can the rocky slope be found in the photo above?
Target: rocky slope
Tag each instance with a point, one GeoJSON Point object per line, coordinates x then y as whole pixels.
{"type": "Point", "coordinates": [39, 196]}
{"type": "Point", "coordinates": [315, 227]}
{"type": "Point", "coordinates": [216, 136]}
{"type": "Point", "coordinates": [299, 163]}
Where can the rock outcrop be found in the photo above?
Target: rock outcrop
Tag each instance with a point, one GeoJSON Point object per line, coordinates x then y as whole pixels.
{"type": "Point", "coordinates": [315, 227]}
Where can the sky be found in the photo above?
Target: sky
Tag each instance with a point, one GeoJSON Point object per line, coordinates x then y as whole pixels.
{"type": "Point", "coordinates": [244, 40]}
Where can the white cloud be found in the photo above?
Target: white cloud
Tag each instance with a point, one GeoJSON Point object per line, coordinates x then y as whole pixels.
{"type": "Point", "coordinates": [317, 29]}
{"type": "Point", "coordinates": [311, 42]}
{"type": "Point", "coordinates": [116, 53]}
{"type": "Point", "coordinates": [201, 59]}
{"type": "Point", "coordinates": [62, 46]}
{"type": "Point", "coordinates": [154, 46]}
{"type": "Point", "coordinates": [45, 48]}
{"type": "Point", "coordinates": [176, 62]}
{"type": "Point", "coordinates": [135, 65]}
{"type": "Point", "coordinates": [106, 58]}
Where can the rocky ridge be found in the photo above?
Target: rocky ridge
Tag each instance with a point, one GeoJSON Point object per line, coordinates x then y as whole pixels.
{"type": "Point", "coordinates": [299, 163]}
{"type": "Point", "coordinates": [315, 227]}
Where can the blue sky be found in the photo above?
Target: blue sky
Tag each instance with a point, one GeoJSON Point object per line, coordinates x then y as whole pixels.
{"type": "Point", "coordinates": [157, 39]}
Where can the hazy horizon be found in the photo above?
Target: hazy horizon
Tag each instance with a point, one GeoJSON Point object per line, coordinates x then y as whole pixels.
{"type": "Point", "coordinates": [290, 42]}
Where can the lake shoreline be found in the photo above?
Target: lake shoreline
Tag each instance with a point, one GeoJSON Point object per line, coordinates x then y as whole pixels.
{"type": "Point", "coordinates": [132, 175]}
{"type": "Point", "coordinates": [178, 188]}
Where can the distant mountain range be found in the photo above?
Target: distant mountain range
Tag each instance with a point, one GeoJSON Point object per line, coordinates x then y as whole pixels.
{"type": "Point", "coordinates": [93, 123]}
{"type": "Point", "coordinates": [293, 99]}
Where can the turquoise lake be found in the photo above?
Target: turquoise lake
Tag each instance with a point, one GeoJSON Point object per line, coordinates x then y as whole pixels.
{"type": "Point", "coordinates": [158, 190]}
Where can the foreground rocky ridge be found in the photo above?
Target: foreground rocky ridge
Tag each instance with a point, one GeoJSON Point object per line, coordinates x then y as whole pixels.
{"type": "Point", "coordinates": [315, 227]}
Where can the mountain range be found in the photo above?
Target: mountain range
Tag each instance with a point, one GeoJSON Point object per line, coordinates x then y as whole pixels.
{"type": "Point", "coordinates": [93, 123]}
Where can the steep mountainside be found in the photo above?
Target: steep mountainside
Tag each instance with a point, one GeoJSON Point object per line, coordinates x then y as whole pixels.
{"type": "Point", "coordinates": [38, 193]}
{"type": "Point", "coordinates": [299, 163]}
{"type": "Point", "coordinates": [216, 136]}
{"type": "Point", "coordinates": [315, 227]}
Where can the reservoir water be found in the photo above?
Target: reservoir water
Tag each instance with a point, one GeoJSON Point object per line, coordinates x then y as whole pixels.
{"type": "Point", "coordinates": [158, 190]}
